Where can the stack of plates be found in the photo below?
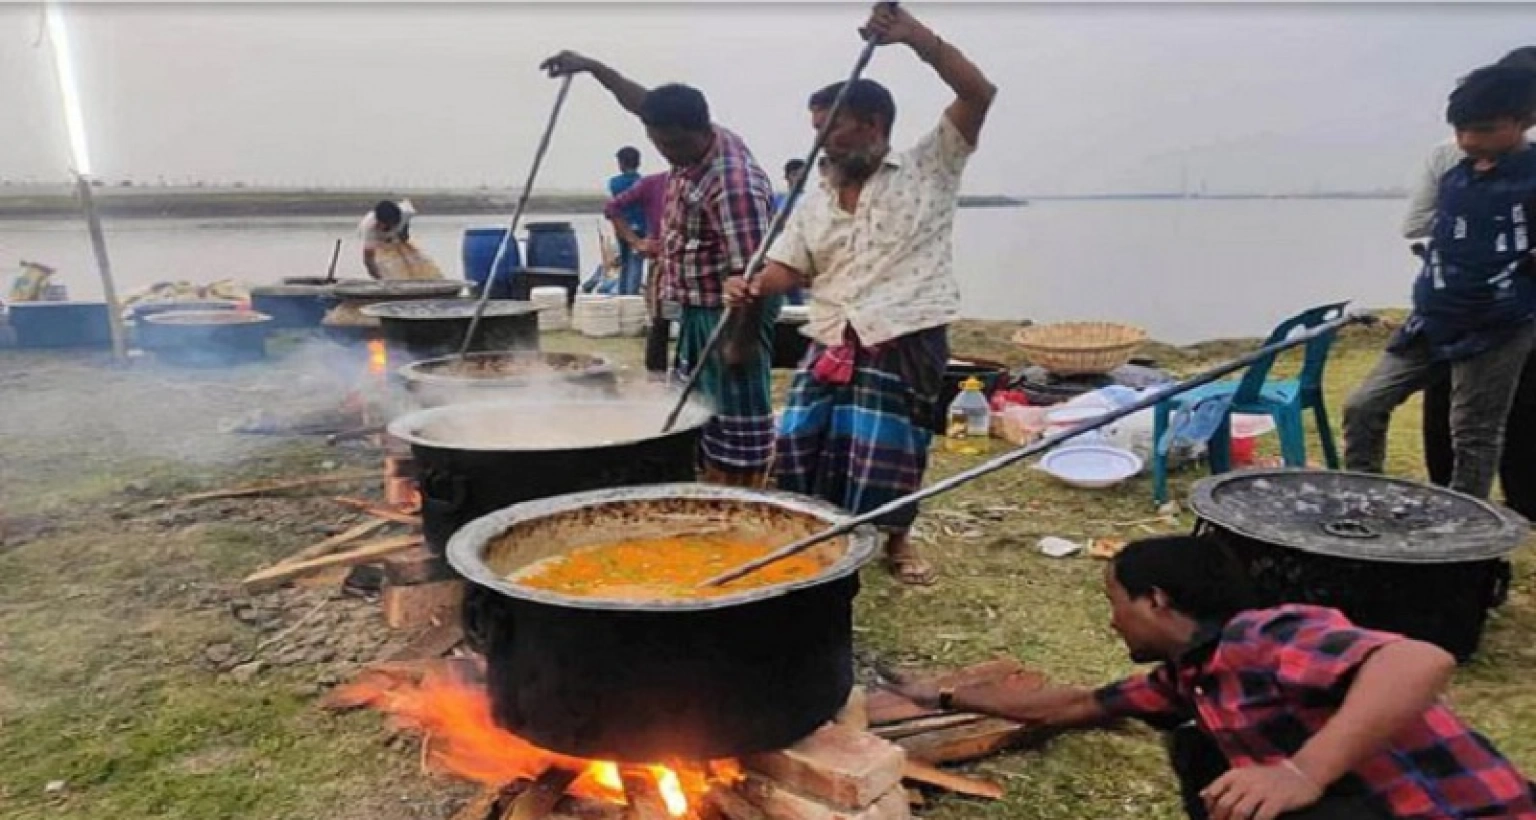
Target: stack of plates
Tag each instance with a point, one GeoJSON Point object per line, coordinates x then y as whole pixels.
{"type": "Point", "coordinates": [632, 315]}
{"type": "Point", "coordinates": [596, 316]}
{"type": "Point", "coordinates": [551, 304]}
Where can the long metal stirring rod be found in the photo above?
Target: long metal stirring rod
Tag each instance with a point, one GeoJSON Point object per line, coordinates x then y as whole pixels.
{"type": "Point", "coordinates": [1152, 400]}
{"type": "Point", "coordinates": [517, 215]}
{"type": "Point", "coordinates": [775, 227]}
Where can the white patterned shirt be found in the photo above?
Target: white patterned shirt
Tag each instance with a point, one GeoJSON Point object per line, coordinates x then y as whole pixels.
{"type": "Point", "coordinates": [887, 269]}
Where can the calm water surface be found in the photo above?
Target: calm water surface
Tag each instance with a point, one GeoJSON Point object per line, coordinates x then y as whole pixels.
{"type": "Point", "coordinates": [1183, 269]}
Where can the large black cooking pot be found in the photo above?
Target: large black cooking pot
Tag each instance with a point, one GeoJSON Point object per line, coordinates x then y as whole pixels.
{"type": "Point", "coordinates": [430, 328]}
{"type": "Point", "coordinates": [1392, 554]}
{"type": "Point", "coordinates": [346, 323]}
{"type": "Point", "coordinates": [478, 457]}
{"type": "Point", "coordinates": [649, 681]}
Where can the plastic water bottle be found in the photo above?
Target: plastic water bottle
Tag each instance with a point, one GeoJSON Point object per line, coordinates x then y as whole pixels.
{"type": "Point", "coordinates": [970, 418]}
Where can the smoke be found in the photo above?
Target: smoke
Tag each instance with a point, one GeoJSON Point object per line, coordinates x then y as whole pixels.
{"type": "Point", "coordinates": [551, 401]}
{"type": "Point", "coordinates": [70, 416]}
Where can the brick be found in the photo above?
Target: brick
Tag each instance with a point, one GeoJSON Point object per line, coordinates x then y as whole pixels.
{"type": "Point", "coordinates": [839, 766]}
{"type": "Point", "coordinates": [420, 605]}
{"type": "Point", "coordinates": [855, 713]}
{"type": "Point", "coordinates": [416, 566]}
{"type": "Point", "coordinates": [782, 804]}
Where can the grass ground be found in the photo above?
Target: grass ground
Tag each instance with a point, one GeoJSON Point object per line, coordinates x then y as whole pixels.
{"type": "Point", "coordinates": [111, 606]}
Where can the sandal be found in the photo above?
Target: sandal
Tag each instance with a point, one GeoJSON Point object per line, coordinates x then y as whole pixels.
{"type": "Point", "coordinates": [912, 570]}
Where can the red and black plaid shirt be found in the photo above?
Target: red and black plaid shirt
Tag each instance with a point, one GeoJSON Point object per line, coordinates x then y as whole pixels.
{"type": "Point", "coordinates": [715, 215]}
{"type": "Point", "coordinates": [1271, 678]}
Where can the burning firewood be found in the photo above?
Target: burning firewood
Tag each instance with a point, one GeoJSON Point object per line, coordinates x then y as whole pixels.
{"type": "Point", "coordinates": [540, 799]}
{"type": "Point", "coordinates": [643, 794]}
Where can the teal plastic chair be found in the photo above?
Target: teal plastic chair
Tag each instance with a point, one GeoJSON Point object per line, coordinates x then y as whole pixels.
{"type": "Point", "coordinates": [1284, 401]}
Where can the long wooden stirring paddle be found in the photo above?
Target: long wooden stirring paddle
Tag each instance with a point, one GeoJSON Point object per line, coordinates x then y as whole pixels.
{"type": "Point", "coordinates": [1151, 400]}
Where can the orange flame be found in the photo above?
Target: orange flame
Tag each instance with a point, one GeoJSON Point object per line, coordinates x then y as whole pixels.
{"type": "Point", "coordinates": [462, 739]}
{"type": "Point", "coordinates": [378, 357]}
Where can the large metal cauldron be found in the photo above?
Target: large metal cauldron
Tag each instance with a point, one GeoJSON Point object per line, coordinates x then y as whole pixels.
{"type": "Point", "coordinates": [647, 681]}
{"type": "Point", "coordinates": [346, 323]}
{"type": "Point", "coordinates": [1393, 555]}
{"type": "Point", "coordinates": [206, 338]}
{"type": "Point", "coordinates": [430, 328]}
{"type": "Point", "coordinates": [478, 457]}
{"type": "Point", "coordinates": [508, 374]}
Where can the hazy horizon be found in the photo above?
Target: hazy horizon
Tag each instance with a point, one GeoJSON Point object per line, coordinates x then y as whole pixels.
{"type": "Point", "coordinates": [1093, 98]}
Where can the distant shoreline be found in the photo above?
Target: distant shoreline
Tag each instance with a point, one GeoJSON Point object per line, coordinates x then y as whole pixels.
{"type": "Point", "coordinates": [149, 203]}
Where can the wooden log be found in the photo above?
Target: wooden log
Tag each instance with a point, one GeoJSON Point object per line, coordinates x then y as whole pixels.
{"type": "Point", "coordinates": [274, 577]}
{"type": "Point", "coordinates": [481, 806]}
{"type": "Point", "coordinates": [278, 486]}
{"type": "Point", "coordinates": [333, 543]}
{"type": "Point", "coordinates": [643, 795]}
{"type": "Point", "coordinates": [885, 706]}
{"type": "Point", "coordinates": [917, 726]}
{"type": "Point", "coordinates": [929, 775]}
{"type": "Point", "coordinates": [363, 505]}
{"type": "Point", "coordinates": [969, 742]}
{"type": "Point", "coordinates": [541, 798]}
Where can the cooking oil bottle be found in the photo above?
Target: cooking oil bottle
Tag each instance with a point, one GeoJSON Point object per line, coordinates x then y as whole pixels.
{"type": "Point", "coordinates": [970, 419]}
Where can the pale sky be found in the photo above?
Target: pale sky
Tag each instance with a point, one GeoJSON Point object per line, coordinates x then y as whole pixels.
{"type": "Point", "coordinates": [1092, 97]}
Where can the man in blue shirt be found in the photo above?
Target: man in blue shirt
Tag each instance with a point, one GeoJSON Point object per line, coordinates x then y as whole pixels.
{"type": "Point", "coordinates": [631, 265]}
{"type": "Point", "coordinates": [1474, 302]}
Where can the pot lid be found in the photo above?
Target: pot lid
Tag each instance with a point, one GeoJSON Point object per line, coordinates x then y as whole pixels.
{"type": "Point", "coordinates": [446, 309]}
{"type": "Point", "coordinates": [1358, 516]}
{"type": "Point", "coordinates": [405, 289]}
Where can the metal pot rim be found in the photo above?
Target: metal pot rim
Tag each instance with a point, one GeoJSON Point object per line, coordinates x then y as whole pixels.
{"type": "Point", "coordinates": [695, 415]}
{"type": "Point", "coordinates": [397, 289]}
{"type": "Point", "coordinates": [207, 318]}
{"type": "Point", "coordinates": [420, 372]}
{"type": "Point", "coordinates": [400, 309]}
{"type": "Point", "coordinates": [465, 547]}
{"type": "Point", "coordinates": [1513, 529]}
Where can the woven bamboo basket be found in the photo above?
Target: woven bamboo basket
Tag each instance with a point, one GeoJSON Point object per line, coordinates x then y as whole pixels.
{"type": "Point", "coordinates": [1080, 348]}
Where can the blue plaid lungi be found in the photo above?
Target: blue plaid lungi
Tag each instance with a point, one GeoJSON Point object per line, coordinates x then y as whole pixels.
{"type": "Point", "coordinates": [738, 439]}
{"type": "Point", "coordinates": [864, 443]}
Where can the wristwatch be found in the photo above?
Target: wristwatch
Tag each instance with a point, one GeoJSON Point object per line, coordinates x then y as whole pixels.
{"type": "Point", "coordinates": [947, 698]}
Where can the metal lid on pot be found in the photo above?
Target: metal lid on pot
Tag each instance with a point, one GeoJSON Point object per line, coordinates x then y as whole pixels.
{"type": "Point", "coordinates": [446, 309]}
{"type": "Point", "coordinates": [1358, 516]}
{"type": "Point", "coordinates": [403, 289]}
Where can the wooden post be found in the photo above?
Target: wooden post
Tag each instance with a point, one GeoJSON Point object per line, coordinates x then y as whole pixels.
{"type": "Point", "coordinates": [104, 268]}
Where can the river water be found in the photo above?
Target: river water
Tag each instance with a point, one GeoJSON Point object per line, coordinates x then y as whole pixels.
{"type": "Point", "coordinates": [1185, 270]}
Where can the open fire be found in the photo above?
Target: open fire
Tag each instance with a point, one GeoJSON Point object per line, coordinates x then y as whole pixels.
{"type": "Point", "coordinates": [452, 712]}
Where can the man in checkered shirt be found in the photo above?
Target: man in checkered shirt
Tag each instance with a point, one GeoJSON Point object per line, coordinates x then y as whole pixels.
{"type": "Point", "coordinates": [1289, 712]}
{"type": "Point", "coordinates": [718, 205]}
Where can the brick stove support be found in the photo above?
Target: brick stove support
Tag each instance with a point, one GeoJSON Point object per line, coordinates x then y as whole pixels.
{"type": "Point", "coordinates": [837, 773]}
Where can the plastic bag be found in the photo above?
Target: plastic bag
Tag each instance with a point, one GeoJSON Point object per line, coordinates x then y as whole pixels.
{"type": "Point", "coordinates": [29, 285]}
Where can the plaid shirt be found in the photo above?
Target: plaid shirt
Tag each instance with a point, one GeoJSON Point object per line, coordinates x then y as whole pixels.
{"type": "Point", "coordinates": [1261, 686]}
{"type": "Point", "coordinates": [716, 214]}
